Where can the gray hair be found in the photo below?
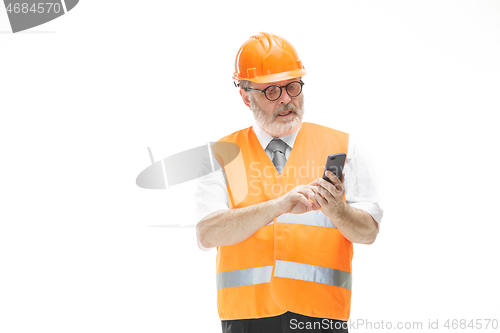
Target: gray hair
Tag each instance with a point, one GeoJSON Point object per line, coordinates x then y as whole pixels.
{"type": "Point", "coordinates": [244, 84]}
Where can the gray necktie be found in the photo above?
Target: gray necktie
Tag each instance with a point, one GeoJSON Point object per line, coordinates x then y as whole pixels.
{"type": "Point", "coordinates": [277, 147]}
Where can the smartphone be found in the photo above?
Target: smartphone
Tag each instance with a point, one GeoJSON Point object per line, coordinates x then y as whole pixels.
{"type": "Point", "coordinates": [334, 163]}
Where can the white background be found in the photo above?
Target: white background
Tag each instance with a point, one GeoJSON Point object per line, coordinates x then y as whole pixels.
{"type": "Point", "coordinates": [83, 249]}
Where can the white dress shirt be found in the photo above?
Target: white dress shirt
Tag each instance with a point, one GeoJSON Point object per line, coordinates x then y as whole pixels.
{"type": "Point", "coordinates": [211, 193]}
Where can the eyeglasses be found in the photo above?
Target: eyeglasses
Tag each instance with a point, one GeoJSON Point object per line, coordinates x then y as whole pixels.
{"type": "Point", "coordinates": [273, 93]}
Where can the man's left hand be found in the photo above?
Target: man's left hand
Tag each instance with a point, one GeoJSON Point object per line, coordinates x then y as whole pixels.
{"type": "Point", "coordinates": [355, 225]}
{"type": "Point", "coordinates": [330, 196]}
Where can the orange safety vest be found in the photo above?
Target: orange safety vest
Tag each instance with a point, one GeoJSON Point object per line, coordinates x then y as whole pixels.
{"type": "Point", "coordinates": [298, 262]}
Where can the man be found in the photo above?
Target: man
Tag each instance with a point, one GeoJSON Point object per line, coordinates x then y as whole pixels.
{"type": "Point", "coordinates": [283, 235]}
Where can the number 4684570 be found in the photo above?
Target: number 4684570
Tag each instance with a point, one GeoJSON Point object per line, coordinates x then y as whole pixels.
{"type": "Point", "coordinates": [36, 8]}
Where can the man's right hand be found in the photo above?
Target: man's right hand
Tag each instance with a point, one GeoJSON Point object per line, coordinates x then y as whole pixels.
{"type": "Point", "coordinates": [232, 226]}
{"type": "Point", "coordinates": [297, 200]}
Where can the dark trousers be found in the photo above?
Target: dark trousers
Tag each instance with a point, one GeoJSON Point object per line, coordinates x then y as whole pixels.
{"type": "Point", "coordinates": [288, 322]}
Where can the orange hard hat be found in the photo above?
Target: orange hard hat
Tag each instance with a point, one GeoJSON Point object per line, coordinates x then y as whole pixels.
{"type": "Point", "coordinates": [267, 58]}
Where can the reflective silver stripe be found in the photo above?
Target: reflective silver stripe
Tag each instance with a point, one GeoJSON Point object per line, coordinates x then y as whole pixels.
{"type": "Point", "coordinates": [312, 273]}
{"type": "Point", "coordinates": [315, 217]}
{"type": "Point", "coordinates": [244, 277]}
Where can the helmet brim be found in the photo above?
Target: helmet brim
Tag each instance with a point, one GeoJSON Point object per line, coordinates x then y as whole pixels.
{"type": "Point", "coordinates": [273, 77]}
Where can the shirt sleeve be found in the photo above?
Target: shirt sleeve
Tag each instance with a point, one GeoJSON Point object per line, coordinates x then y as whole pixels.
{"type": "Point", "coordinates": [210, 196]}
{"type": "Point", "coordinates": [360, 190]}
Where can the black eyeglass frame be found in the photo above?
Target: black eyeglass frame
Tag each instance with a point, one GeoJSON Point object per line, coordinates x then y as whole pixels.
{"type": "Point", "coordinates": [281, 90]}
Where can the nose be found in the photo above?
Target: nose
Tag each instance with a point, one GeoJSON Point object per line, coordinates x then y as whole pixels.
{"type": "Point", "coordinates": [284, 98]}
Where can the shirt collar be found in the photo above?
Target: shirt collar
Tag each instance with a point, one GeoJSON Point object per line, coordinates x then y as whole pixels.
{"type": "Point", "coordinates": [264, 138]}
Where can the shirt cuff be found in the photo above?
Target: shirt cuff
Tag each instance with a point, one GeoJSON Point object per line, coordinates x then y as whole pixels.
{"type": "Point", "coordinates": [371, 208]}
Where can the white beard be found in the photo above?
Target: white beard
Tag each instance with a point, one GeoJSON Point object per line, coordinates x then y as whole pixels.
{"type": "Point", "coordinates": [268, 122]}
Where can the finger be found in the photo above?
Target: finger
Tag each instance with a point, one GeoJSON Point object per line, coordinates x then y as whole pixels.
{"type": "Point", "coordinates": [326, 194]}
{"type": "Point", "coordinates": [299, 198]}
{"type": "Point", "coordinates": [302, 192]}
{"type": "Point", "coordinates": [315, 205]}
{"type": "Point", "coordinates": [343, 177]}
{"type": "Point", "coordinates": [313, 183]}
{"type": "Point", "coordinates": [321, 201]}
{"type": "Point", "coordinates": [332, 177]}
{"type": "Point", "coordinates": [337, 186]}
{"type": "Point", "coordinates": [314, 188]}
{"type": "Point", "coordinates": [302, 189]}
{"type": "Point", "coordinates": [326, 185]}
{"type": "Point", "coordinates": [334, 195]}
{"type": "Point", "coordinates": [312, 197]}
{"type": "Point", "coordinates": [308, 188]}
{"type": "Point", "coordinates": [305, 201]}
{"type": "Point", "coordinates": [308, 193]}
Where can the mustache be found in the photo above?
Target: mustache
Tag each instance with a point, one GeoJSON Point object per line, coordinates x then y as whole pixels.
{"type": "Point", "coordinates": [287, 107]}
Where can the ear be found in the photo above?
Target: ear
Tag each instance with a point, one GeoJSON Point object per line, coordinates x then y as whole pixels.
{"type": "Point", "coordinates": [244, 96]}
